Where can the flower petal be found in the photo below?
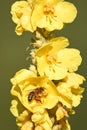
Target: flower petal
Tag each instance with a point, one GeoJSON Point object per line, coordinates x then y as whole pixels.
{"type": "Point", "coordinates": [70, 58]}
{"type": "Point", "coordinates": [66, 11]}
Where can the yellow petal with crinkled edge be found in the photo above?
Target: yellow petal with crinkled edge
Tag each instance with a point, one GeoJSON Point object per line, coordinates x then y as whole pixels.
{"type": "Point", "coordinates": [54, 45]}
{"type": "Point", "coordinates": [22, 75]}
{"type": "Point", "coordinates": [74, 79]}
{"type": "Point", "coordinates": [66, 11]}
{"type": "Point", "coordinates": [70, 58]}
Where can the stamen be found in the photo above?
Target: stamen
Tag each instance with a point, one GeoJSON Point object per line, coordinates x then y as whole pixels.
{"type": "Point", "coordinates": [48, 10]}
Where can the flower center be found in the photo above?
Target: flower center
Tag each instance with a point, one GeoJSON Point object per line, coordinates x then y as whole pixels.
{"type": "Point", "coordinates": [48, 10]}
{"type": "Point", "coordinates": [37, 94]}
{"type": "Point", "coordinates": [51, 58]}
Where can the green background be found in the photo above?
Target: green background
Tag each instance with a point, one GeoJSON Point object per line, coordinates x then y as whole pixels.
{"type": "Point", "coordinates": [13, 57]}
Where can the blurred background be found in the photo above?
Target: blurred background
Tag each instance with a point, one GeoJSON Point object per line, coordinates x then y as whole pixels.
{"type": "Point", "coordinates": [13, 58]}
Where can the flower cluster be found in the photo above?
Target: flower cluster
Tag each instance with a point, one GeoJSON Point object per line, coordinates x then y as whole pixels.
{"type": "Point", "coordinates": [48, 14]}
{"type": "Point", "coordinates": [46, 93]}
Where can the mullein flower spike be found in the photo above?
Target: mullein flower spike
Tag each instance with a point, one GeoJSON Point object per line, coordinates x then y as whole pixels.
{"type": "Point", "coordinates": [46, 93]}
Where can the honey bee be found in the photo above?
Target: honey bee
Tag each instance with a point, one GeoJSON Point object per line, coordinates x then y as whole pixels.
{"type": "Point", "coordinates": [36, 94]}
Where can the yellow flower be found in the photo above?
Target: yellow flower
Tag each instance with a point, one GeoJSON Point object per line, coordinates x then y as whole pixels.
{"type": "Point", "coordinates": [21, 13]}
{"type": "Point", "coordinates": [52, 14]}
{"type": "Point", "coordinates": [34, 91]}
{"type": "Point", "coordinates": [18, 110]}
{"type": "Point", "coordinates": [41, 117]}
{"type": "Point", "coordinates": [54, 60]}
{"type": "Point", "coordinates": [70, 58]}
{"type": "Point", "coordinates": [70, 93]}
